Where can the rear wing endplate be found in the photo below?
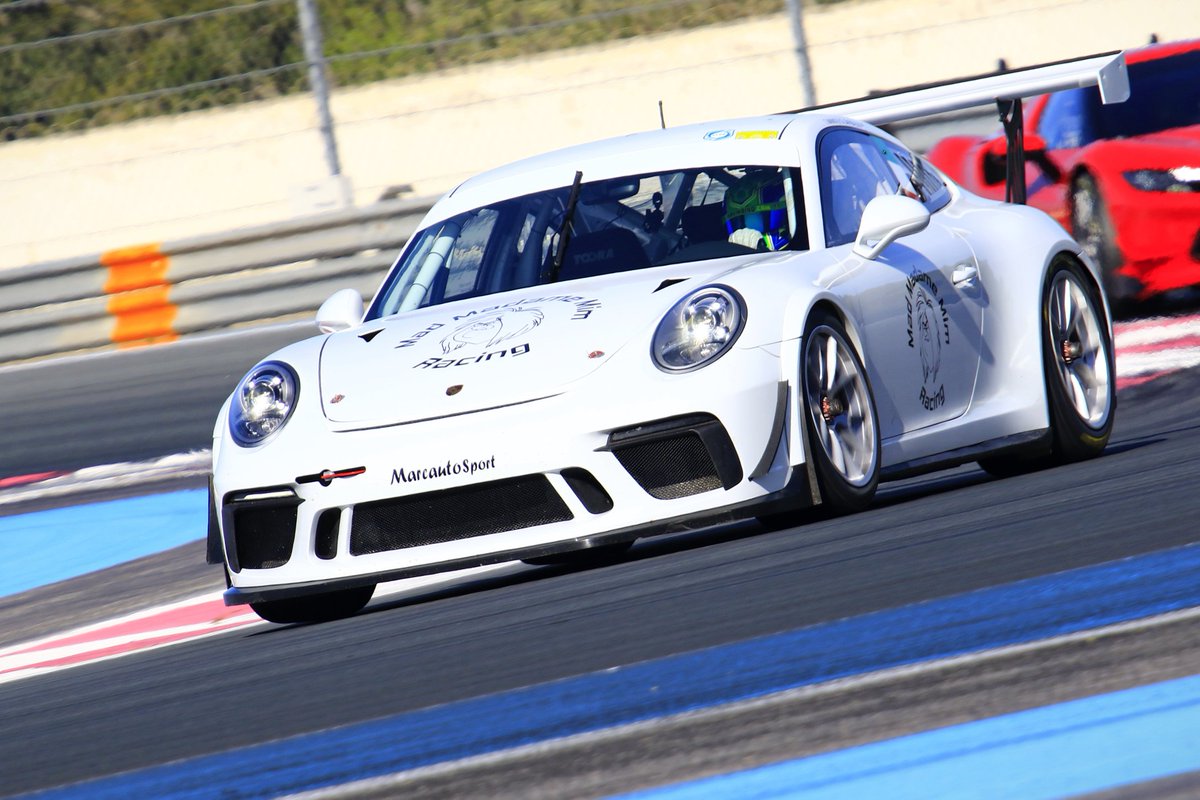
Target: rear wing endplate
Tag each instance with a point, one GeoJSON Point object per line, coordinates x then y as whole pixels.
{"type": "Point", "coordinates": [1006, 89]}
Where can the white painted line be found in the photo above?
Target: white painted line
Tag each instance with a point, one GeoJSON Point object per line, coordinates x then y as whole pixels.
{"type": "Point", "coordinates": [124, 619]}
{"type": "Point", "coordinates": [112, 476]}
{"type": "Point", "coordinates": [1156, 332]}
{"type": "Point", "coordinates": [20, 660]}
{"type": "Point", "coordinates": [125, 635]}
{"type": "Point", "coordinates": [1160, 361]}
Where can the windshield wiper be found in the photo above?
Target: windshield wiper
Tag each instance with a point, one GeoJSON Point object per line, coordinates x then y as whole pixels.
{"type": "Point", "coordinates": [564, 236]}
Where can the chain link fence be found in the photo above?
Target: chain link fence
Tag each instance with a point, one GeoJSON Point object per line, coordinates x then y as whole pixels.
{"type": "Point", "coordinates": [146, 121]}
{"type": "Point", "coordinates": [72, 66]}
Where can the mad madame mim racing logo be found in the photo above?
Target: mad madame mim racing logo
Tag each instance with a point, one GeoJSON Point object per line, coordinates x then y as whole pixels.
{"type": "Point", "coordinates": [928, 331]}
{"type": "Point", "coordinates": [484, 334]}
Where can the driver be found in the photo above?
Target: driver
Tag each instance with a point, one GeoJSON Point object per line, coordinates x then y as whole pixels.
{"type": "Point", "coordinates": [756, 211]}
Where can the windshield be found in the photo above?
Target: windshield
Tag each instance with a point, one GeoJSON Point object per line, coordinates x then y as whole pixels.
{"type": "Point", "coordinates": [617, 224]}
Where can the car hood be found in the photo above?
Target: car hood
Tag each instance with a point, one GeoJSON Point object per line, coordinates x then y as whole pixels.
{"type": "Point", "coordinates": [498, 350]}
{"type": "Point", "coordinates": [1177, 147]}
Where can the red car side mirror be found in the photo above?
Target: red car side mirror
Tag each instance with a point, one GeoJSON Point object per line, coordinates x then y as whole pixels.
{"type": "Point", "coordinates": [995, 159]}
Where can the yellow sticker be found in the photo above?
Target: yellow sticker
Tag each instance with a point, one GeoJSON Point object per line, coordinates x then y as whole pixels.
{"type": "Point", "coordinates": [756, 135]}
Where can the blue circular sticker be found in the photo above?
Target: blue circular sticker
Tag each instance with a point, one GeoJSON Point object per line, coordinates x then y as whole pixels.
{"type": "Point", "coordinates": [718, 135]}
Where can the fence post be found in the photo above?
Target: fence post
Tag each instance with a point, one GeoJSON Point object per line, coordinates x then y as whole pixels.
{"type": "Point", "coordinates": [314, 54]}
{"type": "Point", "coordinates": [795, 14]}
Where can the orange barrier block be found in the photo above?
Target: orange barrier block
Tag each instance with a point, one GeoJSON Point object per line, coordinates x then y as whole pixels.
{"type": "Point", "coordinates": [139, 295]}
{"type": "Point", "coordinates": [143, 316]}
{"type": "Point", "coordinates": [135, 268]}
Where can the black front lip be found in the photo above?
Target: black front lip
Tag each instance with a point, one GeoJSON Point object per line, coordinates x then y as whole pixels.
{"type": "Point", "coordinates": [795, 495]}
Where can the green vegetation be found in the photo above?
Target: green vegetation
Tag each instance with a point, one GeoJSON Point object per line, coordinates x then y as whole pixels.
{"type": "Point", "coordinates": [72, 65]}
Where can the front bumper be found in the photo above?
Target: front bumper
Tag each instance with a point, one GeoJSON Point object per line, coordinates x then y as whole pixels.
{"type": "Point", "coordinates": [1158, 236]}
{"type": "Point", "coordinates": [316, 510]}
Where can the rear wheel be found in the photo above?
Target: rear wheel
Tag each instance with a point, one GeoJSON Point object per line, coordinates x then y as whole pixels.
{"type": "Point", "coordinates": [1080, 379]}
{"type": "Point", "coordinates": [841, 419]}
{"type": "Point", "coordinates": [322, 607]}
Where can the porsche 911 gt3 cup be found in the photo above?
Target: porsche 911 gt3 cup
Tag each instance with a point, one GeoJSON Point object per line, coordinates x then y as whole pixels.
{"type": "Point", "coordinates": [659, 332]}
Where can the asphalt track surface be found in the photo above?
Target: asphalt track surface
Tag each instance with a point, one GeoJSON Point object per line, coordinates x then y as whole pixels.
{"type": "Point", "coordinates": [125, 405]}
{"type": "Point", "coordinates": [929, 537]}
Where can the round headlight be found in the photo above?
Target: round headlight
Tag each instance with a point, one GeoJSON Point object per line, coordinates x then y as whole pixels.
{"type": "Point", "coordinates": [262, 403]}
{"type": "Point", "coordinates": [698, 329]}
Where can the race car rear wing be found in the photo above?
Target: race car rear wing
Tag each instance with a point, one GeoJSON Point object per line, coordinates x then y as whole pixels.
{"type": "Point", "coordinates": [1006, 89]}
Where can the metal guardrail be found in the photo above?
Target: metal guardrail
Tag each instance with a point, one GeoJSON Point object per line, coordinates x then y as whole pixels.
{"type": "Point", "coordinates": [157, 292]}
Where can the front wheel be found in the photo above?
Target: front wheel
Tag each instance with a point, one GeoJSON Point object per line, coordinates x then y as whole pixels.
{"type": "Point", "coordinates": [841, 420]}
{"type": "Point", "coordinates": [323, 607]}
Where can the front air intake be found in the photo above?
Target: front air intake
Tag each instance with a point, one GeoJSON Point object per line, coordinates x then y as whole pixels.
{"type": "Point", "coordinates": [453, 514]}
{"type": "Point", "coordinates": [678, 457]}
{"type": "Point", "coordinates": [261, 529]}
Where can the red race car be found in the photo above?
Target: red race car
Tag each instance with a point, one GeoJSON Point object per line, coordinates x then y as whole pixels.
{"type": "Point", "coordinates": [1123, 178]}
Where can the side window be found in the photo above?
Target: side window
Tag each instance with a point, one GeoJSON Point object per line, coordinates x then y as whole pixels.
{"type": "Point", "coordinates": [853, 172]}
{"type": "Point", "coordinates": [916, 178]}
{"type": "Point", "coordinates": [1065, 122]}
{"type": "Point", "coordinates": [900, 162]}
{"type": "Point", "coordinates": [930, 185]}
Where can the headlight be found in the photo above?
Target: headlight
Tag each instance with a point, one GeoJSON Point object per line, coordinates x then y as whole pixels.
{"type": "Point", "coordinates": [1181, 179]}
{"type": "Point", "coordinates": [698, 329]}
{"type": "Point", "coordinates": [262, 403]}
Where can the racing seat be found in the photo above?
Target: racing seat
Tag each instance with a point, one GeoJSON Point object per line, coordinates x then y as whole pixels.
{"type": "Point", "coordinates": [601, 253]}
{"type": "Point", "coordinates": [704, 223]}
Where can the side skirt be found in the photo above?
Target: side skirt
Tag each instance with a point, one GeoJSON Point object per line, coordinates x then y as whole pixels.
{"type": "Point", "coordinates": [1030, 442]}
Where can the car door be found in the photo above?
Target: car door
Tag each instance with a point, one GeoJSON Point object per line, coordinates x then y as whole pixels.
{"type": "Point", "coordinates": [920, 303]}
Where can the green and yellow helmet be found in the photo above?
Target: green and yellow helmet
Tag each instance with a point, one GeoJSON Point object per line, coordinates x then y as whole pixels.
{"type": "Point", "coordinates": [757, 202]}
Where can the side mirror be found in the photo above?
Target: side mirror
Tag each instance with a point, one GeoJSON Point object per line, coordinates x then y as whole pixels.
{"type": "Point", "coordinates": [886, 219]}
{"type": "Point", "coordinates": [1034, 143]}
{"type": "Point", "coordinates": [995, 159]}
{"type": "Point", "coordinates": [342, 311]}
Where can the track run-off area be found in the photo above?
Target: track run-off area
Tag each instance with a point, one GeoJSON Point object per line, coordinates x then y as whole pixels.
{"type": "Point", "coordinates": [966, 636]}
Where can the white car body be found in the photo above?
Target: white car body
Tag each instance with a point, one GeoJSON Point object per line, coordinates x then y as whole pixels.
{"type": "Point", "coordinates": [473, 420]}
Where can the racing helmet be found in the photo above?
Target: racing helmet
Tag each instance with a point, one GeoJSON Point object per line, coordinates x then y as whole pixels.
{"type": "Point", "coordinates": [757, 202]}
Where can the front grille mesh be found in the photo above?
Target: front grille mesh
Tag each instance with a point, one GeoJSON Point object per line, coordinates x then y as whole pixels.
{"type": "Point", "coordinates": [454, 514]}
{"type": "Point", "coordinates": [264, 535]}
{"type": "Point", "coordinates": [672, 467]}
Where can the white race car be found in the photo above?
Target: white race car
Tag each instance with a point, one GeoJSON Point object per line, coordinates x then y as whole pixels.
{"type": "Point", "coordinates": [659, 332]}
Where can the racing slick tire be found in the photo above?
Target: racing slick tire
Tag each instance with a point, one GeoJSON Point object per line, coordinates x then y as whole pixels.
{"type": "Point", "coordinates": [324, 607]}
{"type": "Point", "coordinates": [843, 428]}
{"type": "Point", "coordinates": [1077, 355]}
